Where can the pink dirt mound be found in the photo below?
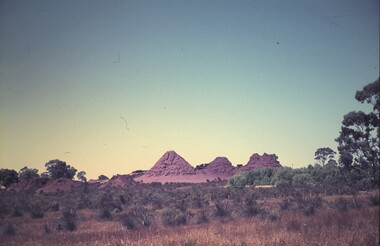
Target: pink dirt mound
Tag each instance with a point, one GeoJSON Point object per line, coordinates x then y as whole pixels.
{"type": "Point", "coordinates": [61, 184]}
{"type": "Point", "coordinates": [118, 180]}
{"type": "Point", "coordinates": [173, 168]}
{"type": "Point", "coordinates": [171, 164]}
{"type": "Point", "coordinates": [220, 168]}
{"type": "Point", "coordinates": [258, 161]}
{"type": "Point", "coordinates": [30, 185]}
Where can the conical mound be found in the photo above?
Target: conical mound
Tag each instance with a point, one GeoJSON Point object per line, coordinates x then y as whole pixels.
{"type": "Point", "coordinates": [171, 164]}
{"type": "Point", "coordinates": [259, 161]}
{"type": "Point", "coordinates": [221, 165]}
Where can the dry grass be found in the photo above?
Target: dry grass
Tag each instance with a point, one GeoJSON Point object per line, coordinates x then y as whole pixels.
{"type": "Point", "coordinates": [326, 227]}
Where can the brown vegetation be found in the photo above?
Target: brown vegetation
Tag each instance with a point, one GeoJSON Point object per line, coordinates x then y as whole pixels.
{"type": "Point", "coordinates": [176, 214]}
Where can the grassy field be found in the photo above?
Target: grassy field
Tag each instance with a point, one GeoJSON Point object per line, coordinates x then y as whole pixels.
{"type": "Point", "coordinates": [330, 220]}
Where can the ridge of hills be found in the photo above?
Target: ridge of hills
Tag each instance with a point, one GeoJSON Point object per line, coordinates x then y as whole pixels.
{"type": "Point", "coordinates": [171, 167]}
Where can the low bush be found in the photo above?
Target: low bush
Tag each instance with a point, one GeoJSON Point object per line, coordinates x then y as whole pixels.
{"type": "Point", "coordinates": [17, 212]}
{"type": "Point", "coordinates": [250, 207]}
{"type": "Point", "coordinates": [69, 217]}
{"type": "Point", "coordinates": [9, 230]}
{"type": "Point", "coordinates": [105, 214]}
{"type": "Point", "coordinates": [129, 221]}
{"type": "Point", "coordinates": [269, 215]}
{"type": "Point", "coordinates": [36, 210]}
{"type": "Point", "coordinates": [222, 209]}
{"type": "Point", "coordinates": [46, 228]}
{"type": "Point", "coordinates": [374, 200]}
{"type": "Point", "coordinates": [54, 206]}
{"type": "Point", "coordinates": [341, 205]}
{"type": "Point", "coordinates": [173, 217]}
{"type": "Point", "coordinates": [202, 217]}
{"type": "Point", "coordinates": [137, 217]}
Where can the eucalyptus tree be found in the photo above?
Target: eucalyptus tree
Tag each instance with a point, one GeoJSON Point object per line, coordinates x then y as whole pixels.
{"type": "Point", "coordinates": [358, 140]}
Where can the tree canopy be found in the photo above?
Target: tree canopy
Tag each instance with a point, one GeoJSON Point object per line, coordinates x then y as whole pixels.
{"type": "Point", "coordinates": [358, 140]}
{"type": "Point", "coordinates": [8, 177]}
{"type": "Point", "coordinates": [59, 169]}
{"type": "Point", "coordinates": [323, 155]}
{"type": "Point", "coordinates": [26, 173]}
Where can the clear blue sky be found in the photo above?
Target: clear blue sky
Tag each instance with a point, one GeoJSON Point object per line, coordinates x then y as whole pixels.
{"type": "Point", "coordinates": [205, 78]}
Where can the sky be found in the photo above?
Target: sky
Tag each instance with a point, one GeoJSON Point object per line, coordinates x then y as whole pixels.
{"type": "Point", "coordinates": [110, 86]}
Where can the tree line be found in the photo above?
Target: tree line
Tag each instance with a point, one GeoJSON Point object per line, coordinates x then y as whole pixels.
{"type": "Point", "coordinates": [357, 167]}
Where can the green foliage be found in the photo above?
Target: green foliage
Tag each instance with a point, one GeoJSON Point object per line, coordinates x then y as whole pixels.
{"type": "Point", "coordinates": [324, 155]}
{"type": "Point", "coordinates": [82, 176]}
{"type": "Point", "coordinates": [137, 217]}
{"type": "Point", "coordinates": [8, 177]}
{"type": "Point", "coordinates": [238, 180]}
{"type": "Point", "coordinates": [358, 140]}
{"type": "Point", "coordinates": [59, 169]}
{"type": "Point", "coordinates": [302, 180]}
{"type": "Point", "coordinates": [283, 177]}
{"type": "Point", "coordinates": [222, 209]}
{"type": "Point", "coordinates": [260, 176]}
{"type": "Point", "coordinates": [103, 177]}
{"type": "Point", "coordinates": [26, 173]}
{"type": "Point", "coordinates": [173, 217]}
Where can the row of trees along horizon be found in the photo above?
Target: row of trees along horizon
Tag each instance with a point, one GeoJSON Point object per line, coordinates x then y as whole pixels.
{"type": "Point", "coordinates": [357, 167]}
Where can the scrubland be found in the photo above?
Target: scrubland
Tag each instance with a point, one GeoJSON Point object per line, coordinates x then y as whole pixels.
{"type": "Point", "coordinates": [176, 214]}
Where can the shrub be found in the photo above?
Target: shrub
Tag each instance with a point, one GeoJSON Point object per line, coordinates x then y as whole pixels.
{"type": "Point", "coordinates": [202, 217]}
{"type": "Point", "coordinates": [250, 207]}
{"type": "Point", "coordinates": [46, 228]}
{"type": "Point", "coordinates": [105, 214]}
{"type": "Point", "coordinates": [374, 200]}
{"type": "Point", "coordinates": [173, 217]}
{"type": "Point", "coordinates": [54, 207]}
{"type": "Point", "coordinates": [36, 211]}
{"type": "Point", "coordinates": [270, 214]}
{"type": "Point", "coordinates": [17, 212]}
{"type": "Point", "coordinates": [309, 210]}
{"type": "Point", "coordinates": [4, 209]}
{"type": "Point", "coordinates": [286, 204]}
{"type": "Point", "coordinates": [129, 221]}
{"type": "Point", "coordinates": [69, 217]}
{"type": "Point", "coordinates": [341, 205]}
{"type": "Point", "coordinates": [9, 230]}
{"type": "Point", "coordinates": [222, 209]}
{"type": "Point", "coordinates": [137, 217]}
{"type": "Point", "coordinates": [189, 242]}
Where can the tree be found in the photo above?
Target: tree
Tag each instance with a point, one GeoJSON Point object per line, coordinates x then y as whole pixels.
{"type": "Point", "coordinates": [59, 169]}
{"type": "Point", "coordinates": [323, 155]}
{"type": "Point", "coordinates": [260, 176]}
{"type": "Point", "coordinates": [8, 177]}
{"type": "Point", "coordinates": [302, 180]}
{"type": "Point", "coordinates": [26, 173]}
{"type": "Point", "coordinates": [238, 180]}
{"type": "Point", "coordinates": [103, 177]}
{"type": "Point", "coordinates": [82, 176]}
{"type": "Point", "coordinates": [358, 141]}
